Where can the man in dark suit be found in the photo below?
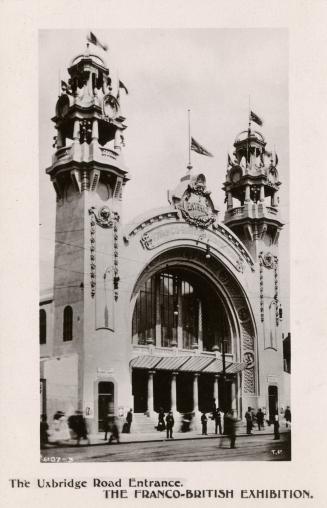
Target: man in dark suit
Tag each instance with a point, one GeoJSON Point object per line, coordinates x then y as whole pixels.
{"type": "Point", "coordinates": [169, 425]}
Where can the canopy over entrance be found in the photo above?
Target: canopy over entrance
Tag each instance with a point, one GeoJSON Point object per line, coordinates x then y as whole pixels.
{"type": "Point", "coordinates": [199, 364]}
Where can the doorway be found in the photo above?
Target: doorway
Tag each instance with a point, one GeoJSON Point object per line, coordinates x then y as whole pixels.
{"type": "Point", "coordinates": [106, 401]}
{"type": "Point", "coordinates": [140, 390]}
{"type": "Point", "coordinates": [206, 393]}
{"type": "Point", "coordinates": [184, 385]}
{"type": "Point", "coordinates": [161, 391]}
{"type": "Point", "coordinates": [272, 402]}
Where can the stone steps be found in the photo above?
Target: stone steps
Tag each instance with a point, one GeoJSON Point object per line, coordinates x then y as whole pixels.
{"type": "Point", "coordinates": [143, 423]}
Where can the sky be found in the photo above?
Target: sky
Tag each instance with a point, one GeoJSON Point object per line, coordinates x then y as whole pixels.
{"type": "Point", "coordinates": [212, 72]}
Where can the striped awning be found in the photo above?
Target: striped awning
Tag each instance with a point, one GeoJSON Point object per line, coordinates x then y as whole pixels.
{"type": "Point", "coordinates": [234, 368]}
{"type": "Point", "coordinates": [145, 362]}
{"type": "Point", "coordinates": [195, 363]}
{"type": "Point", "coordinates": [171, 362]}
{"type": "Point", "coordinates": [214, 367]}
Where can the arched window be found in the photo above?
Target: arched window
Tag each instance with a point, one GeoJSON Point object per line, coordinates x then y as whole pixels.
{"type": "Point", "coordinates": [68, 323]}
{"type": "Point", "coordinates": [177, 308]}
{"type": "Point", "coordinates": [43, 326]}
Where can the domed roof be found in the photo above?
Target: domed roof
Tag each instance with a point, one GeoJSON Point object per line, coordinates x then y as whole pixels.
{"type": "Point", "coordinates": [97, 59]}
{"type": "Point", "coordinates": [244, 135]}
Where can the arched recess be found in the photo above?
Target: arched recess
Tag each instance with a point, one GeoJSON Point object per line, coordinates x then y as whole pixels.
{"type": "Point", "coordinates": [232, 295]}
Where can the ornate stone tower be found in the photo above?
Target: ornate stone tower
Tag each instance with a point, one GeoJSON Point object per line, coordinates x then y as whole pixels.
{"type": "Point", "coordinates": [251, 187]}
{"type": "Point", "coordinates": [88, 174]}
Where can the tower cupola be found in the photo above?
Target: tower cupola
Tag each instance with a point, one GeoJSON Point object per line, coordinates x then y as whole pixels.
{"type": "Point", "coordinates": [90, 127]}
{"type": "Point", "coordinates": [251, 186]}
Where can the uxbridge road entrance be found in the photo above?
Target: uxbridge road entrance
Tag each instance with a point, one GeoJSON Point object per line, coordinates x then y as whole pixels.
{"type": "Point", "coordinates": [183, 392]}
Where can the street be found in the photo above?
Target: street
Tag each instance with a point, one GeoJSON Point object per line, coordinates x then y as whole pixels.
{"type": "Point", "coordinates": [256, 447]}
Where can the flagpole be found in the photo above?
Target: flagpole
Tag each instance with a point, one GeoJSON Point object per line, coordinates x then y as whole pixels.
{"type": "Point", "coordinates": [59, 83]}
{"type": "Point", "coordinates": [189, 166]}
{"type": "Point", "coordinates": [249, 131]}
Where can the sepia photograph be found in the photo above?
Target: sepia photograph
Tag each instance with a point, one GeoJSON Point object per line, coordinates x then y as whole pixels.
{"type": "Point", "coordinates": [164, 310]}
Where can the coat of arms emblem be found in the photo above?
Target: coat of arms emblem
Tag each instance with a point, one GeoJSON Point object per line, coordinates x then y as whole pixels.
{"type": "Point", "coordinates": [196, 205]}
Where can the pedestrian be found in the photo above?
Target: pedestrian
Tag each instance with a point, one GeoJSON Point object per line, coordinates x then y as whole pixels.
{"type": "Point", "coordinates": [77, 424]}
{"type": "Point", "coordinates": [169, 425]}
{"type": "Point", "coordinates": [186, 422]}
{"type": "Point", "coordinates": [287, 416]}
{"type": "Point", "coordinates": [249, 424]}
{"type": "Point", "coordinates": [276, 427]}
{"type": "Point", "coordinates": [204, 421]}
{"type": "Point", "coordinates": [219, 419]}
{"type": "Point", "coordinates": [260, 418]}
{"type": "Point", "coordinates": [44, 427]}
{"type": "Point", "coordinates": [59, 430]}
{"type": "Point", "coordinates": [254, 419]}
{"type": "Point", "coordinates": [129, 419]}
{"type": "Point", "coordinates": [106, 426]}
{"type": "Point", "coordinates": [161, 420]}
{"type": "Point", "coordinates": [114, 436]}
{"type": "Point", "coordinates": [230, 428]}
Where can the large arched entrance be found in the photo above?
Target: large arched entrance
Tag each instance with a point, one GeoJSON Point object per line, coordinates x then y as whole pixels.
{"type": "Point", "coordinates": [179, 307]}
{"type": "Point", "coordinates": [187, 328]}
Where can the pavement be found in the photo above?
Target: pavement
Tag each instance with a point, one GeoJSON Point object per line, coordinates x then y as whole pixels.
{"type": "Point", "coordinates": [155, 436]}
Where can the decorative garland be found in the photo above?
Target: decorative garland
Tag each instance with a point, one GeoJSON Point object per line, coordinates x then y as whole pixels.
{"type": "Point", "coordinates": [276, 289]}
{"type": "Point", "coordinates": [92, 254]}
{"type": "Point", "coordinates": [105, 219]}
{"type": "Point", "coordinates": [262, 305]}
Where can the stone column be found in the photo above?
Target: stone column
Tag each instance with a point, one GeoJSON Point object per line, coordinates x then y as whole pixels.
{"type": "Point", "coordinates": [117, 143]}
{"type": "Point", "coordinates": [76, 129]}
{"type": "Point", "coordinates": [150, 393]}
{"type": "Point", "coordinates": [200, 333]}
{"type": "Point", "coordinates": [262, 193]}
{"type": "Point", "coordinates": [247, 193]}
{"type": "Point", "coordinates": [195, 393]}
{"type": "Point", "coordinates": [173, 393]}
{"type": "Point", "coordinates": [233, 396]}
{"type": "Point", "coordinates": [180, 316]}
{"type": "Point", "coordinates": [76, 144]}
{"type": "Point", "coordinates": [229, 200]}
{"type": "Point", "coordinates": [95, 130]}
{"type": "Point", "coordinates": [158, 313]}
{"type": "Point", "coordinates": [215, 390]}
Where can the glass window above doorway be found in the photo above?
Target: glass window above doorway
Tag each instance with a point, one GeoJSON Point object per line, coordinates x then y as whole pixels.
{"type": "Point", "coordinates": [178, 308]}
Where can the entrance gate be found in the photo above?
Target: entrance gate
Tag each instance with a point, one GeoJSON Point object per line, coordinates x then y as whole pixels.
{"type": "Point", "coordinates": [105, 403]}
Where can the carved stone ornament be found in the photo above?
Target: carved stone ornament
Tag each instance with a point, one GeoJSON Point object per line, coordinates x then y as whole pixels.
{"type": "Point", "coordinates": [240, 265]}
{"type": "Point", "coordinates": [110, 106]}
{"type": "Point", "coordinates": [223, 277]}
{"type": "Point", "coordinates": [268, 260]}
{"type": "Point", "coordinates": [104, 218]}
{"type": "Point", "coordinates": [196, 205]}
{"type": "Point", "coordinates": [243, 314]}
{"type": "Point", "coordinates": [248, 358]}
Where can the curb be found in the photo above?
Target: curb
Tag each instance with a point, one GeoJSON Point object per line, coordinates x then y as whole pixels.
{"type": "Point", "coordinates": [158, 440]}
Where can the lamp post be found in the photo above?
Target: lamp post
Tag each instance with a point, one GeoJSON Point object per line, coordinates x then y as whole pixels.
{"type": "Point", "coordinates": [223, 356]}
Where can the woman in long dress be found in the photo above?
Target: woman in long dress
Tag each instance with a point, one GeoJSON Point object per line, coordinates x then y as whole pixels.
{"type": "Point", "coordinates": [59, 430]}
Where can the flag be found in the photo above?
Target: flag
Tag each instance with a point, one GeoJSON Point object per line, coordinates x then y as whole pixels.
{"type": "Point", "coordinates": [65, 87]}
{"type": "Point", "coordinates": [121, 85]}
{"type": "Point", "coordinates": [255, 118]}
{"type": "Point", "coordinates": [94, 40]}
{"type": "Point", "coordinates": [199, 149]}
